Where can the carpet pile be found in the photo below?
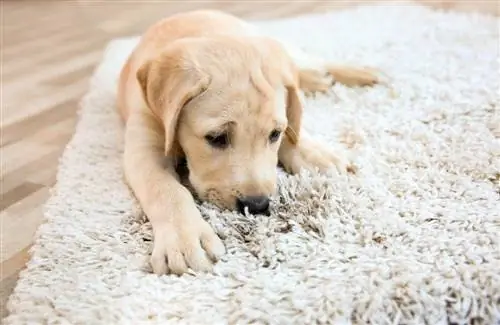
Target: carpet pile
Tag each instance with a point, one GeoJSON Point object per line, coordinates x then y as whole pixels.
{"type": "Point", "coordinates": [413, 238]}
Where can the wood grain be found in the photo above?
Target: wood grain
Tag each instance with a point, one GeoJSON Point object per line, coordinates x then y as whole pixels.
{"type": "Point", "coordinates": [48, 52]}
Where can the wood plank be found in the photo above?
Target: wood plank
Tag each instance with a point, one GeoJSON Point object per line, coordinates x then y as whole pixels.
{"type": "Point", "coordinates": [15, 86]}
{"type": "Point", "coordinates": [20, 154]}
{"type": "Point", "coordinates": [7, 266]}
{"type": "Point", "coordinates": [32, 149]}
{"type": "Point", "coordinates": [31, 171]}
{"type": "Point", "coordinates": [9, 273]}
{"type": "Point", "coordinates": [22, 190]}
{"type": "Point", "coordinates": [39, 121]}
{"type": "Point", "coordinates": [22, 219]}
{"type": "Point", "coordinates": [41, 102]}
{"type": "Point", "coordinates": [26, 64]}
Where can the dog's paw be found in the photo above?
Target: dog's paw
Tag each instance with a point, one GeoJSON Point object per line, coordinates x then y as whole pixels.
{"type": "Point", "coordinates": [357, 76]}
{"type": "Point", "coordinates": [319, 156]}
{"type": "Point", "coordinates": [313, 81]}
{"type": "Point", "coordinates": [320, 81]}
{"type": "Point", "coordinates": [313, 155]}
{"type": "Point", "coordinates": [188, 242]}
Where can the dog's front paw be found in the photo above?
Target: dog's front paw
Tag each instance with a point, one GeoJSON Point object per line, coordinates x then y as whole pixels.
{"type": "Point", "coordinates": [186, 242]}
{"type": "Point", "coordinates": [318, 156]}
{"type": "Point", "coordinates": [313, 155]}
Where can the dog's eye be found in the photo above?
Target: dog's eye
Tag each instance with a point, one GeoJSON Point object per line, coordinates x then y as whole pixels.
{"type": "Point", "coordinates": [274, 136]}
{"type": "Point", "coordinates": [218, 140]}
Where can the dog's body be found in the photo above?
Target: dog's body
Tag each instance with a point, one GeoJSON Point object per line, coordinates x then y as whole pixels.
{"type": "Point", "coordinates": [207, 87]}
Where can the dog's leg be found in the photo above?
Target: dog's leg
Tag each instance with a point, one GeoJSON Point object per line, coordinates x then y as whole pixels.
{"type": "Point", "coordinates": [313, 155]}
{"type": "Point", "coordinates": [318, 75]}
{"type": "Point", "coordinates": [182, 239]}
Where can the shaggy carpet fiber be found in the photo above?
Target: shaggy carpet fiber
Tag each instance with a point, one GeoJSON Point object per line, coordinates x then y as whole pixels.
{"type": "Point", "coordinates": [413, 238]}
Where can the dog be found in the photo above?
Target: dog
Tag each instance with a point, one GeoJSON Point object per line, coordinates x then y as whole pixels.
{"type": "Point", "coordinates": [210, 88]}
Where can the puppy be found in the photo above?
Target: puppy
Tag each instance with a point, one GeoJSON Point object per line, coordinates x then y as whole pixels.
{"type": "Point", "coordinates": [207, 87]}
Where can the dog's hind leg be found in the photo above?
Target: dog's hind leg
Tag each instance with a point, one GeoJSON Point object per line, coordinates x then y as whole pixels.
{"type": "Point", "coordinates": [318, 75]}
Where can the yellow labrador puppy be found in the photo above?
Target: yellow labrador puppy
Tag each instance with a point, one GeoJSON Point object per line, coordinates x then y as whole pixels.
{"type": "Point", "coordinates": [205, 86]}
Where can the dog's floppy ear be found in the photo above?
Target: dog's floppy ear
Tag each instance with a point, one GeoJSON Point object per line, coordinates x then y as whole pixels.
{"type": "Point", "coordinates": [283, 67]}
{"type": "Point", "coordinates": [168, 83]}
{"type": "Point", "coordinates": [280, 69]}
{"type": "Point", "coordinates": [293, 103]}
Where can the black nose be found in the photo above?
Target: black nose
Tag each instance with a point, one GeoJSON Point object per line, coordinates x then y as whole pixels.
{"type": "Point", "coordinates": [255, 204]}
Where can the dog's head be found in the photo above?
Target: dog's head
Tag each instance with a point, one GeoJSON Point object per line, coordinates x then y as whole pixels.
{"type": "Point", "coordinates": [226, 105]}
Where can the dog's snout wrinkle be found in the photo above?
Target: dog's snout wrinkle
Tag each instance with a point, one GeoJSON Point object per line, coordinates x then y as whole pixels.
{"type": "Point", "coordinates": [255, 204]}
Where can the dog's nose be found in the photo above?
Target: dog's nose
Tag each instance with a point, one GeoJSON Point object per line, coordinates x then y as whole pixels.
{"type": "Point", "coordinates": [255, 204]}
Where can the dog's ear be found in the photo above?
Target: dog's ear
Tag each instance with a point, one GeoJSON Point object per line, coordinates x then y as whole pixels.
{"type": "Point", "coordinates": [280, 69]}
{"type": "Point", "coordinates": [168, 83]}
{"type": "Point", "coordinates": [293, 102]}
{"type": "Point", "coordinates": [293, 113]}
{"type": "Point", "coordinates": [283, 70]}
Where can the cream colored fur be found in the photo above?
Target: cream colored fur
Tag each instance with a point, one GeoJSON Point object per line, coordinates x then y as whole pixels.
{"type": "Point", "coordinates": [202, 74]}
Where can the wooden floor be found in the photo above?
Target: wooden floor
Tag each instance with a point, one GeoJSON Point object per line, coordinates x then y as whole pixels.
{"type": "Point", "coordinates": [48, 52]}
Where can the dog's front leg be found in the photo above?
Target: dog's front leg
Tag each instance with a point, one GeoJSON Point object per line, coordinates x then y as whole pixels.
{"type": "Point", "coordinates": [311, 154]}
{"type": "Point", "coordinates": [182, 239]}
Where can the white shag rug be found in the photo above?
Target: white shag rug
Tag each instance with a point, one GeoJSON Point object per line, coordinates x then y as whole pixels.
{"type": "Point", "coordinates": [412, 239]}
